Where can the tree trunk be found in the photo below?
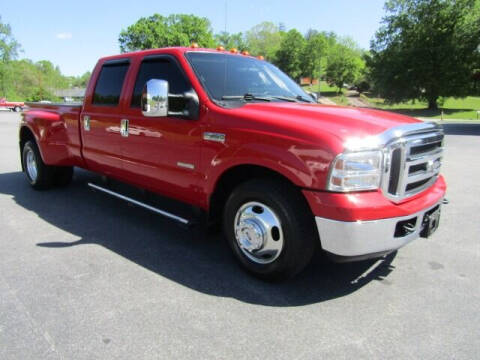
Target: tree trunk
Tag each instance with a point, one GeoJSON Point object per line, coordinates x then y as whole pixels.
{"type": "Point", "coordinates": [432, 103]}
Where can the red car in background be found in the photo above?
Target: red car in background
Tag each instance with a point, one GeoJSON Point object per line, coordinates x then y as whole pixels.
{"type": "Point", "coordinates": [11, 105]}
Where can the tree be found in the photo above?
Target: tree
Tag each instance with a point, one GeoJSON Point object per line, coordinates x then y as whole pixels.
{"type": "Point", "coordinates": [158, 31]}
{"type": "Point", "coordinates": [264, 39]}
{"type": "Point", "coordinates": [9, 48]}
{"type": "Point", "coordinates": [313, 53]}
{"type": "Point", "coordinates": [288, 56]}
{"type": "Point", "coordinates": [364, 81]}
{"type": "Point", "coordinates": [82, 80]}
{"type": "Point", "coordinates": [230, 41]}
{"type": "Point", "coordinates": [26, 80]}
{"type": "Point", "coordinates": [425, 49]}
{"type": "Point", "coordinates": [345, 64]}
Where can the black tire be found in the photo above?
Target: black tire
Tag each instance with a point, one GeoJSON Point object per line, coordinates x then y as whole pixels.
{"type": "Point", "coordinates": [63, 176]}
{"type": "Point", "coordinates": [17, 109]}
{"type": "Point", "coordinates": [45, 173]}
{"type": "Point", "coordinates": [297, 223]}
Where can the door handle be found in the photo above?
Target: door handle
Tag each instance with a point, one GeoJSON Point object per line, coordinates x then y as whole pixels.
{"type": "Point", "coordinates": [124, 127]}
{"type": "Point", "coordinates": [86, 123]}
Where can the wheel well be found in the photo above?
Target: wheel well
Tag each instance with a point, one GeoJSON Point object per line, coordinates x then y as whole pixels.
{"type": "Point", "coordinates": [233, 177]}
{"type": "Point", "coordinates": [25, 135]}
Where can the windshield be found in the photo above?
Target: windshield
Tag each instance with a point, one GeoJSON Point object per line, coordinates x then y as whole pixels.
{"type": "Point", "coordinates": [233, 78]}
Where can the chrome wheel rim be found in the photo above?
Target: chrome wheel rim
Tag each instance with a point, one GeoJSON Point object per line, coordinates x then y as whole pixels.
{"type": "Point", "coordinates": [31, 165]}
{"type": "Point", "coordinates": [258, 232]}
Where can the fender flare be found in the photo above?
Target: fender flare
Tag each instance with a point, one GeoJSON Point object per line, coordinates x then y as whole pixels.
{"type": "Point", "coordinates": [49, 133]}
{"type": "Point", "coordinates": [289, 166]}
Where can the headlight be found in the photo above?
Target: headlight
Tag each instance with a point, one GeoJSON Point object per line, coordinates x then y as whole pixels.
{"type": "Point", "coordinates": [356, 171]}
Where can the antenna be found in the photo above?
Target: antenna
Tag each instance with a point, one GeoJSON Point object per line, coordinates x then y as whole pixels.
{"type": "Point", "coordinates": [226, 9]}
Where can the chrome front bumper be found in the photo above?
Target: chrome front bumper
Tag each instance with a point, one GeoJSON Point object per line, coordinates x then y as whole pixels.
{"type": "Point", "coordinates": [358, 238]}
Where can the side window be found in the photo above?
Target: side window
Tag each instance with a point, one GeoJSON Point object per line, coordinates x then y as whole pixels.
{"type": "Point", "coordinates": [162, 69]}
{"type": "Point", "coordinates": [109, 84]}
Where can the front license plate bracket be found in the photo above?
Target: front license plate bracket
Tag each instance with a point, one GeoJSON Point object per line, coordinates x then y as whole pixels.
{"type": "Point", "coordinates": [430, 222]}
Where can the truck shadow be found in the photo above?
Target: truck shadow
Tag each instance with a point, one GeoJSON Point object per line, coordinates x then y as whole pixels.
{"type": "Point", "coordinates": [192, 258]}
{"type": "Point", "coordinates": [461, 129]}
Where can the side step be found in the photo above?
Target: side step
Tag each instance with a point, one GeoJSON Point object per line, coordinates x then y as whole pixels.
{"type": "Point", "coordinates": [141, 204]}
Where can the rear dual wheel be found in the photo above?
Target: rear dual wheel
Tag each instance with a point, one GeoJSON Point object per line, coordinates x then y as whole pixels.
{"type": "Point", "coordinates": [270, 228]}
{"type": "Point", "coordinates": [40, 175]}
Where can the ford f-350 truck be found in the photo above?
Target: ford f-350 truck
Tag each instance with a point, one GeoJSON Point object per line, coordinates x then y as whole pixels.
{"type": "Point", "coordinates": [233, 136]}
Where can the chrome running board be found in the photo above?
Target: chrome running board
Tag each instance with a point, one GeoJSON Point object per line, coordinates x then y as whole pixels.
{"type": "Point", "coordinates": [141, 204]}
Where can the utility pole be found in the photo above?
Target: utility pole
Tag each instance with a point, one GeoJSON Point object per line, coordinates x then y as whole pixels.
{"type": "Point", "coordinates": [319, 74]}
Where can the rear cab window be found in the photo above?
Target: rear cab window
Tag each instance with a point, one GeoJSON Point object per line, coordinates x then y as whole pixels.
{"type": "Point", "coordinates": [110, 82]}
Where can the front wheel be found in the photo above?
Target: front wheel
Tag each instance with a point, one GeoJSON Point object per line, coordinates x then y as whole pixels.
{"type": "Point", "coordinates": [17, 109]}
{"type": "Point", "coordinates": [270, 228]}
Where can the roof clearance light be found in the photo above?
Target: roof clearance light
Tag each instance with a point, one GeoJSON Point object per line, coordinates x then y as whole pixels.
{"type": "Point", "coordinates": [245, 52]}
{"type": "Point", "coordinates": [260, 57]}
{"type": "Point", "coordinates": [233, 50]}
{"type": "Point", "coordinates": [220, 48]}
{"type": "Point", "coordinates": [194, 45]}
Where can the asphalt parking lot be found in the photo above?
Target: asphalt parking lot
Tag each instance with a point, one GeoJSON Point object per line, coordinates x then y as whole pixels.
{"type": "Point", "coordinates": [85, 276]}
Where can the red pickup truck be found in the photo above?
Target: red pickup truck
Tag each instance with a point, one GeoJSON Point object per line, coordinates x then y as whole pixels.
{"type": "Point", "coordinates": [233, 136]}
{"type": "Point", "coordinates": [11, 105]}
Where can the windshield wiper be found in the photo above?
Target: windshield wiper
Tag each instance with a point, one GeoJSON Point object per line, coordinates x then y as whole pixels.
{"type": "Point", "coordinates": [292, 99]}
{"type": "Point", "coordinates": [301, 98]}
{"type": "Point", "coordinates": [285, 98]}
{"type": "Point", "coordinates": [246, 97]}
{"type": "Point", "coordinates": [250, 97]}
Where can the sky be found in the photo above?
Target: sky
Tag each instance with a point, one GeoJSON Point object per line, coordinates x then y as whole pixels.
{"type": "Point", "coordinates": [74, 34]}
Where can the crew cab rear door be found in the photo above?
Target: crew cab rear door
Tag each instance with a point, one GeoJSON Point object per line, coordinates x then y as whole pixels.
{"type": "Point", "coordinates": [162, 153]}
{"type": "Point", "coordinates": [101, 119]}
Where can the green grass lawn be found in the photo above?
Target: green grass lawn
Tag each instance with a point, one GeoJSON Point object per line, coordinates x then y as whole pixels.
{"type": "Point", "coordinates": [464, 109]}
{"type": "Point", "coordinates": [329, 92]}
{"type": "Point", "coordinates": [339, 99]}
{"type": "Point", "coordinates": [325, 89]}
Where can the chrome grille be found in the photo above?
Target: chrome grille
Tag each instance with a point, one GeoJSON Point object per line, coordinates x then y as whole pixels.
{"type": "Point", "coordinates": [413, 156]}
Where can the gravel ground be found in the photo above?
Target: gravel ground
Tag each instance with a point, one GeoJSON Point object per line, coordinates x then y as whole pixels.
{"type": "Point", "coordinates": [85, 276]}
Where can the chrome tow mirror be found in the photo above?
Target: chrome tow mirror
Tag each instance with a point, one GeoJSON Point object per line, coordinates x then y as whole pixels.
{"type": "Point", "coordinates": [154, 100]}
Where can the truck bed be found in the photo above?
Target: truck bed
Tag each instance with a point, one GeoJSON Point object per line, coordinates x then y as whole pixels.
{"type": "Point", "coordinates": [53, 106]}
{"type": "Point", "coordinates": [59, 126]}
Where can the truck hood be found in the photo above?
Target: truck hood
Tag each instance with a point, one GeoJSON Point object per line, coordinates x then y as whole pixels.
{"type": "Point", "coordinates": [342, 122]}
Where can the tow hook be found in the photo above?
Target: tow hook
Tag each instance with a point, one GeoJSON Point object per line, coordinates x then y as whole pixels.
{"type": "Point", "coordinates": [409, 228]}
{"type": "Point", "coordinates": [445, 201]}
